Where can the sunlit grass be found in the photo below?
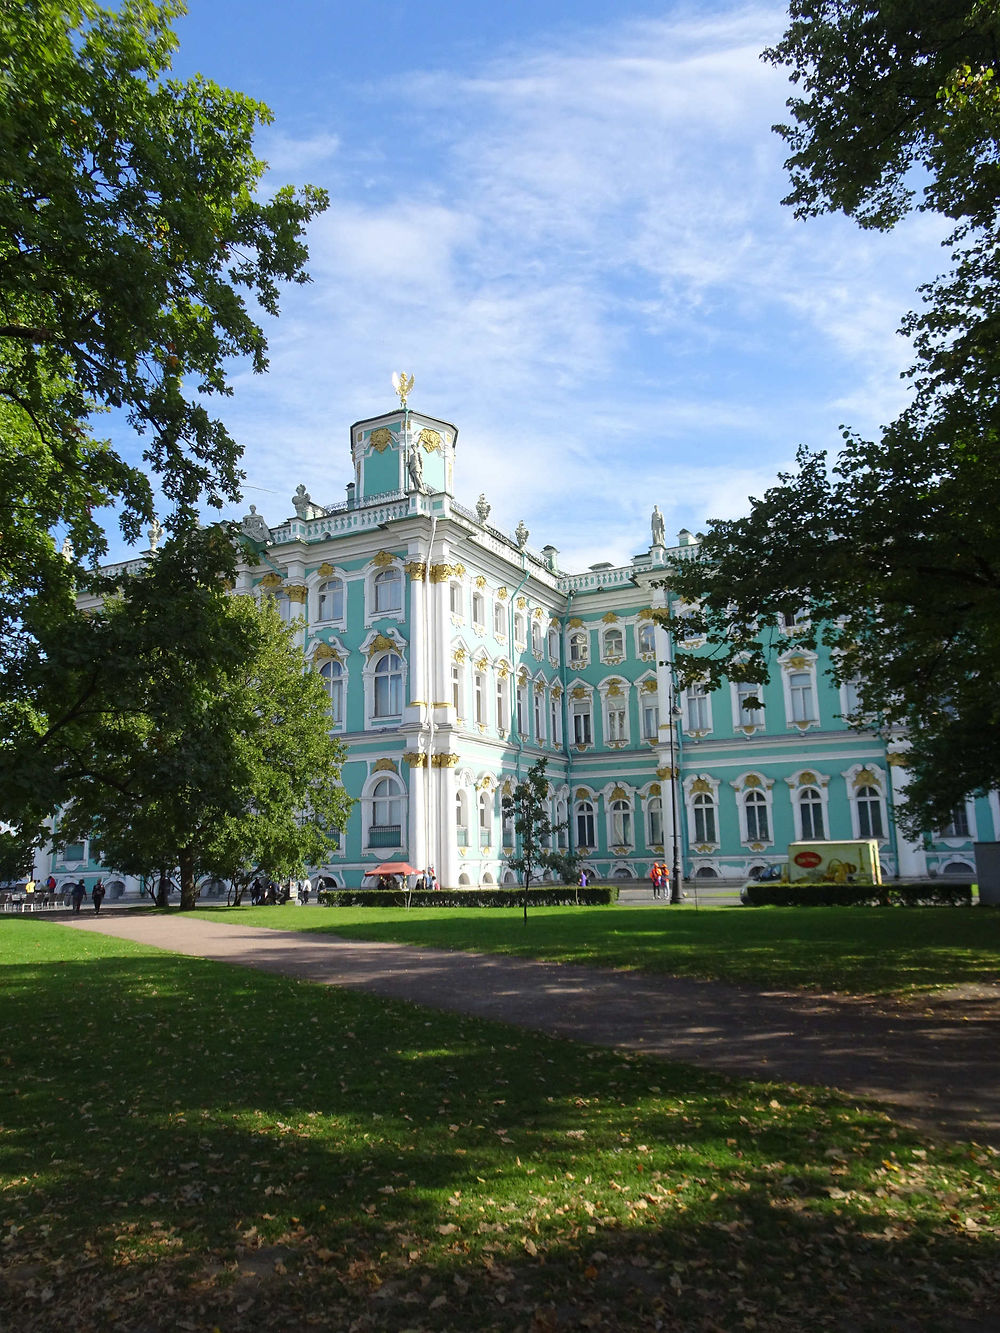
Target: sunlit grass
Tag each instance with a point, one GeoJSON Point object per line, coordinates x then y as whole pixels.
{"type": "Point", "coordinates": [853, 950]}
{"type": "Point", "coordinates": [190, 1141]}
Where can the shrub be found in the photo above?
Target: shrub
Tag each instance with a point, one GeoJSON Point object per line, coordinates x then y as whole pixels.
{"type": "Point", "coordinates": [929, 893]}
{"type": "Point", "coordinates": [542, 896]}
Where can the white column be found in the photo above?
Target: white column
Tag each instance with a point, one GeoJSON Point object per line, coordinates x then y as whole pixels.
{"type": "Point", "coordinates": [912, 857]}
{"type": "Point", "coordinates": [445, 831]}
{"type": "Point", "coordinates": [417, 839]}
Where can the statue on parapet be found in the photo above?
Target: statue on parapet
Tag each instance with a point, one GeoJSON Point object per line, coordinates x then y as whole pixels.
{"type": "Point", "coordinates": [304, 507]}
{"type": "Point", "coordinates": [254, 527]}
{"type": "Point", "coordinates": [659, 532]}
{"type": "Point", "coordinates": [415, 467]}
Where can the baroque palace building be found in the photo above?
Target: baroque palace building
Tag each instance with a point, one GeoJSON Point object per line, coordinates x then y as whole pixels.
{"type": "Point", "coordinates": [455, 656]}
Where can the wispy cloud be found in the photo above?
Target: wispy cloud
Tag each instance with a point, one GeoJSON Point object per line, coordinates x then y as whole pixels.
{"type": "Point", "coordinates": [582, 256]}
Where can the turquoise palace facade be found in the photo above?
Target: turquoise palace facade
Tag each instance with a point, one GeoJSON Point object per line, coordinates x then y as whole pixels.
{"type": "Point", "coordinates": [456, 655]}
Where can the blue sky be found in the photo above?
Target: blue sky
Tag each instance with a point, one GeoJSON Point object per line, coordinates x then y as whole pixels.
{"type": "Point", "coordinates": [564, 219]}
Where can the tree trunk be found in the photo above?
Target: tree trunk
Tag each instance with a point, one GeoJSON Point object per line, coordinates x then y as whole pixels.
{"type": "Point", "coordinates": [187, 879]}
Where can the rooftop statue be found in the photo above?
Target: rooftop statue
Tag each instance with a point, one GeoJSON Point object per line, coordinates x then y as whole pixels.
{"type": "Point", "coordinates": [659, 533]}
{"type": "Point", "coordinates": [254, 527]}
{"type": "Point", "coordinates": [304, 507]}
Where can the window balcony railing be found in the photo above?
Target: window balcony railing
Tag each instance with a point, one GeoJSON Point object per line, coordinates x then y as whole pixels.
{"type": "Point", "coordinates": [385, 835]}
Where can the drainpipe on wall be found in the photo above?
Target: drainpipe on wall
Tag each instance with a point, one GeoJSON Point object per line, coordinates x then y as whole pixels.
{"type": "Point", "coordinates": [567, 751]}
{"type": "Point", "coordinates": [429, 664]}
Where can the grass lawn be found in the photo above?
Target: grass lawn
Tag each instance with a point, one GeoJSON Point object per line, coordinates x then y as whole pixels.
{"type": "Point", "coordinates": [856, 950]}
{"type": "Point", "coordinates": [189, 1145]}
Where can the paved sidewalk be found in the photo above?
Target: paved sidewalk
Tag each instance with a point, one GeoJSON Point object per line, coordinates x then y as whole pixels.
{"type": "Point", "coordinates": [933, 1064]}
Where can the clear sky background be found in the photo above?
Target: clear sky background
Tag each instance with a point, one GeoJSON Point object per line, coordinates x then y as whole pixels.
{"type": "Point", "coordinates": [564, 218]}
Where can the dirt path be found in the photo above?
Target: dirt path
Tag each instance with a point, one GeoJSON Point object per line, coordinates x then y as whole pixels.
{"type": "Point", "coordinates": [934, 1064]}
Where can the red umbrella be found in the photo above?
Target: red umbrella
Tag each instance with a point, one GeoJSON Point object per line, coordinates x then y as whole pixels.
{"type": "Point", "coordinates": [392, 868]}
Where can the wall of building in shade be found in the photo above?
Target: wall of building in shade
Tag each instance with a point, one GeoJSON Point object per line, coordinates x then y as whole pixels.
{"type": "Point", "coordinates": [455, 656]}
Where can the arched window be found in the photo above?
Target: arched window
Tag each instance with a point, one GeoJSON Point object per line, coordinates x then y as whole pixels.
{"type": "Point", "coordinates": [562, 831]}
{"type": "Point", "coordinates": [654, 814]}
{"type": "Point", "coordinates": [388, 591]}
{"type": "Point", "coordinates": [388, 680]}
{"type": "Point", "coordinates": [755, 806]}
{"type": "Point", "coordinates": [811, 812]}
{"type": "Point", "coordinates": [330, 605]}
{"type": "Point", "coordinates": [387, 814]}
{"type": "Point", "coordinates": [613, 644]}
{"type": "Point", "coordinates": [578, 648]}
{"type": "Point", "coordinates": [647, 639]}
{"type": "Point", "coordinates": [703, 808]}
{"type": "Point", "coordinates": [621, 824]}
{"type": "Point", "coordinates": [869, 813]}
{"type": "Point", "coordinates": [462, 817]}
{"type": "Point", "coordinates": [585, 825]}
{"type": "Point", "coordinates": [332, 675]}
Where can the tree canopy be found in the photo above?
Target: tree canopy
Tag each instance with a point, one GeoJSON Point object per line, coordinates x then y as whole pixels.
{"type": "Point", "coordinates": [178, 728]}
{"type": "Point", "coordinates": [135, 252]}
{"type": "Point", "coordinates": [894, 548]}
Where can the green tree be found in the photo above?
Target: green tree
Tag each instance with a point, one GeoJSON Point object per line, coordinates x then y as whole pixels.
{"type": "Point", "coordinates": [179, 727]}
{"type": "Point", "coordinates": [134, 245]}
{"type": "Point", "coordinates": [528, 806]}
{"type": "Point", "coordinates": [895, 547]}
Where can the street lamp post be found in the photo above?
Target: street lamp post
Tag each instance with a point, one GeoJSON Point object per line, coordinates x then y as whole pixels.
{"type": "Point", "coordinates": [675, 869]}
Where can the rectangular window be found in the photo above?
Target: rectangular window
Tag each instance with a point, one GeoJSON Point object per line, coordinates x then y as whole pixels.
{"type": "Point", "coordinates": [959, 826]}
{"type": "Point", "coordinates": [699, 708]}
{"type": "Point", "coordinates": [555, 717]}
{"type": "Point", "coordinates": [650, 722]}
{"type": "Point", "coordinates": [539, 719]}
{"type": "Point", "coordinates": [801, 694]}
{"type": "Point", "coordinates": [480, 701]}
{"type": "Point", "coordinates": [456, 599]}
{"type": "Point", "coordinates": [499, 619]}
{"type": "Point", "coordinates": [616, 724]}
{"type": "Point", "coordinates": [581, 723]}
{"type": "Point", "coordinates": [749, 712]}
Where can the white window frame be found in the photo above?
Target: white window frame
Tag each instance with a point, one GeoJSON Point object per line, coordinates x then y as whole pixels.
{"type": "Point", "coordinates": [322, 596]}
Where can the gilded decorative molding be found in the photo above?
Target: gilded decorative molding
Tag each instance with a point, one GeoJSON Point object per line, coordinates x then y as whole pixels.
{"type": "Point", "coordinates": [381, 645]}
{"type": "Point", "coordinates": [654, 789]}
{"type": "Point", "coordinates": [430, 439]}
{"type": "Point", "coordinates": [458, 655]}
{"type": "Point", "coordinates": [665, 773]}
{"type": "Point", "coordinates": [522, 602]}
{"type": "Point", "coordinates": [753, 781]}
{"type": "Point", "coordinates": [649, 687]}
{"type": "Point", "coordinates": [579, 693]}
{"type": "Point", "coordinates": [701, 786]}
{"type": "Point", "coordinates": [325, 570]}
{"type": "Point", "coordinates": [797, 663]}
{"type": "Point", "coordinates": [619, 794]}
{"type": "Point", "coordinates": [440, 573]}
{"type": "Point", "coordinates": [646, 613]}
{"type": "Point", "coordinates": [898, 760]}
{"type": "Point", "coordinates": [615, 690]}
{"type": "Point", "coordinates": [807, 779]}
{"type": "Point", "coordinates": [866, 778]}
{"type": "Point", "coordinates": [582, 794]}
{"type": "Point", "coordinates": [380, 439]}
{"type": "Point", "coordinates": [539, 686]}
{"type": "Point", "coordinates": [502, 594]}
{"type": "Point", "coordinates": [442, 703]}
{"type": "Point", "coordinates": [557, 691]}
{"type": "Point", "coordinates": [538, 613]}
{"type": "Point", "coordinates": [503, 670]}
{"type": "Point", "coordinates": [522, 676]}
{"type": "Point", "coordinates": [482, 664]}
{"type": "Point", "coordinates": [324, 653]}
{"type": "Point", "coordinates": [444, 760]}
{"type": "Point", "coordinates": [271, 581]}
{"type": "Point", "coordinates": [297, 592]}
{"type": "Point", "coordinates": [576, 623]}
{"type": "Point", "coordinates": [610, 619]}
{"type": "Point", "coordinates": [458, 571]}
{"type": "Point", "coordinates": [415, 759]}
{"type": "Point", "coordinates": [416, 569]}
{"type": "Point", "coordinates": [384, 766]}
{"type": "Point", "coordinates": [480, 581]}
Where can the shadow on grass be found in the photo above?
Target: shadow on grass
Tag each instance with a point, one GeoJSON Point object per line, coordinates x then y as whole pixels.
{"type": "Point", "coordinates": [192, 1145]}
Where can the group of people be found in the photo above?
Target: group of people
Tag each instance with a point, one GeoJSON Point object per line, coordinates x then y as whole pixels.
{"type": "Point", "coordinates": [659, 877]}
{"type": "Point", "coordinates": [78, 891]}
{"type": "Point", "coordinates": [268, 893]}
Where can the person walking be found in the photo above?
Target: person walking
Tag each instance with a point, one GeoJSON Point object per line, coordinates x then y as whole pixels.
{"type": "Point", "coordinates": [98, 896]}
{"type": "Point", "coordinates": [654, 878]}
{"type": "Point", "coordinates": [78, 893]}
